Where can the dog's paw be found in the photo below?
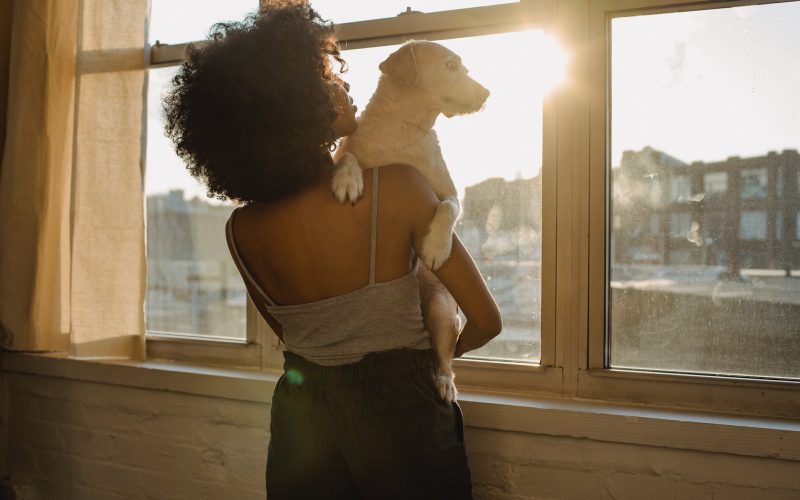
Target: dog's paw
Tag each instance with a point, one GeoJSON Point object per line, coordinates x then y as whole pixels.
{"type": "Point", "coordinates": [446, 386]}
{"type": "Point", "coordinates": [348, 179]}
{"type": "Point", "coordinates": [436, 249]}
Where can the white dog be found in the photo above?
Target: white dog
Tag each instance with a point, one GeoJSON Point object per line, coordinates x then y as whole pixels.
{"type": "Point", "coordinates": [418, 82]}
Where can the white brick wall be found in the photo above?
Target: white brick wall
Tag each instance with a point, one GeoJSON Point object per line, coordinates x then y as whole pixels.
{"type": "Point", "coordinates": [83, 440]}
{"type": "Point", "coordinates": [73, 439]}
{"type": "Point", "coordinates": [517, 466]}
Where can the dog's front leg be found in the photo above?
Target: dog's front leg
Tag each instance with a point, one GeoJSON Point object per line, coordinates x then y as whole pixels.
{"type": "Point", "coordinates": [348, 179]}
{"type": "Point", "coordinates": [438, 243]}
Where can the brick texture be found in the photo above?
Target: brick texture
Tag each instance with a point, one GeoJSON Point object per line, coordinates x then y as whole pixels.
{"type": "Point", "coordinates": [80, 440]}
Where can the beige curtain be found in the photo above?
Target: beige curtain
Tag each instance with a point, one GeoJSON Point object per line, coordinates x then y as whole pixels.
{"type": "Point", "coordinates": [35, 176]}
{"type": "Point", "coordinates": [72, 257]}
{"type": "Point", "coordinates": [108, 245]}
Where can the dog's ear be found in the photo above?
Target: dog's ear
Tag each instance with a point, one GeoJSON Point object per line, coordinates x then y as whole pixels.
{"type": "Point", "coordinates": [401, 65]}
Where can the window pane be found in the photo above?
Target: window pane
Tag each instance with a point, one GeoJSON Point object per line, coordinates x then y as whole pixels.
{"type": "Point", "coordinates": [500, 192]}
{"type": "Point", "coordinates": [345, 12]}
{"type": "Point", "coordinates": [754, 183]}
{"type": "Point", "coordinates": [177, 21]}
{"type": "Point", "coordinates": [753, 225]}
{"type": "Point", "coordinates": [715, 182]}
{"type": "Point", "coordinates": [192, 283]}
{"type": "Point", "coordinates": [705, 127]}
{"type": "Point", "coordinates": [681, 190]}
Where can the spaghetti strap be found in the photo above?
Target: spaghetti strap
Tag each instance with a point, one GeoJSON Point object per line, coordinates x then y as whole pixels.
{"type": "Point", "coordinates": [373, 238]}
{"type": "Point", "coordinates": [240, 263]}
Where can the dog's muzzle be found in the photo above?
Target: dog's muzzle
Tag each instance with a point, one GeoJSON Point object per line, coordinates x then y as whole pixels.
{"type": "Point", "coordinates": [474, 97]}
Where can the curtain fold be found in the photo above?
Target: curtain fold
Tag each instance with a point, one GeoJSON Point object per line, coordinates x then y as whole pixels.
{"type": "Point", "coordinates": [72, 245]}
{"type": "Point", "coordinates": [35, 176]}
{"type": "Point", "coordinates": [108, 243]}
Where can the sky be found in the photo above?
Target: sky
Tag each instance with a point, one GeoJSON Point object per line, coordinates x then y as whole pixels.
{"type": "Point", "coordinates": [707, 85]}
{"type": "Point", "coordinates": [697, 85]}
{"type": "Point", "coordinates": [517, 92]}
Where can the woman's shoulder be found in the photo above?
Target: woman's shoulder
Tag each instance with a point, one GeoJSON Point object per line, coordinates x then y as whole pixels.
{"type": "Point", "coordinates": [403, 181]}
{"type": "Point", "coordinates": [407, 197]}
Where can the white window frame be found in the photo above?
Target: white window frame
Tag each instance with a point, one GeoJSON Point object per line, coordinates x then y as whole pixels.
{"type": "Point", "coordinates": [546, 376]}
{"type": "Point", "coordinates": [594, 379]}
{"type": "Point", "coordinates": [574, 222]}
{"type": "Point", "coordinates": [261, 348]}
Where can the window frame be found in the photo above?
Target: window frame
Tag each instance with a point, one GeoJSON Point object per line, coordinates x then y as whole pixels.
{"type": "Point", "coordinates": [261, 349]}
{"type": "Point", "coordinates": [575, 222]}
{"type": "Point", "coordinates": [546, 376]}
{"type": "Point", "coordinates": [595, 380]}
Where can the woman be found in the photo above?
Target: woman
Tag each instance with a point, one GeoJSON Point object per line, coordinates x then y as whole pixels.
{"type": "Point", "coordinates": [255, 115]}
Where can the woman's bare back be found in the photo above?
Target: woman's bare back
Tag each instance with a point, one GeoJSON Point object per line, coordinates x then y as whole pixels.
{"type": "Point", "coordinates": [310, 246]}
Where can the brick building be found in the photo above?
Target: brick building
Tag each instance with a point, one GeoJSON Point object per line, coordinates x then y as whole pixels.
{"type": "Point", "coordinates": [741, 213]}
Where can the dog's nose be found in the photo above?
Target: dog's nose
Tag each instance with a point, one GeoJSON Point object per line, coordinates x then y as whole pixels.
{"type": "Point", "coordinates": [483, 93]}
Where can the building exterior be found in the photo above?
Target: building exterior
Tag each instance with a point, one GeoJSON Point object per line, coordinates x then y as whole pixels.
{"type": "Point", "coordinates": [193, 285]}
{"type": "Point", "coordinates": [501, 227]}
{"type": "Point", "coordinates": [741, 213]}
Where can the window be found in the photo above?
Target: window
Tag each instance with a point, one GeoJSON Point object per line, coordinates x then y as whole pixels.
{"type": "Point", "coordinates": [754, 183]}
{"type": "Point", "coordinates": [680, 189]}
{"type": "Point", "coordinates": [172, 22]}
{"type": "Point", "coordinates": [673, 77]}
{"type": "Point", "coordinates": [753, 225]}
{"type": "Point", "coordinates": [501, 195]}
{"type": "Point", "coordinates": [625, 219]}
{"type": "Point", "coordinates": [680, 224]}
{"type": "Point", "coordinates": [341, 12]}
{"type": "Point", "coordinates": [501, 223]}
{"type": "Point", "coordinates": [193, 286]}
{"type": "Point", "coordinates": [715, 182]}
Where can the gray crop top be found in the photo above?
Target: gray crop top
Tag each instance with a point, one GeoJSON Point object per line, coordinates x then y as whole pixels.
{"type": "Point", "coordinates": [342, 329]}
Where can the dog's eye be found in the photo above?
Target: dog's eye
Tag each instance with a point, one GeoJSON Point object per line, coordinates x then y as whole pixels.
{"type": "Point", "coordinates": [452, 65]}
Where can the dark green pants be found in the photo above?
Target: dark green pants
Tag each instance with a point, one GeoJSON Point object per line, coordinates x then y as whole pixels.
{"type": "Point", "coordinates": [372, 429]}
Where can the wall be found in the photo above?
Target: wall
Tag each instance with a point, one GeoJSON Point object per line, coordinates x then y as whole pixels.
{"type": "Point", "coordinates": [73, 439]}
{"type": "Point", "coordinates": [78, 439]}
{"type": "Point", "coordinates": [515, 466]}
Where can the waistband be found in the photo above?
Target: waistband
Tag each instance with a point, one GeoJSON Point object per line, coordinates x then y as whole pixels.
{"type": "Point", "coordinates": [375, 365]}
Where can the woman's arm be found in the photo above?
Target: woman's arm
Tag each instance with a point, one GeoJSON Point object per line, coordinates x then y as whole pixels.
{"type": "Point", "coordinates": [461, 277]}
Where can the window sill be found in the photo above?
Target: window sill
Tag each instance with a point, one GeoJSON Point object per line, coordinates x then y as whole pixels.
{"type": "Point", "coordinates": [204, 351]}
{"type": "Point", "coordinates": [231, 383]}
{"type": "Point", "coordinates": [576, 419]}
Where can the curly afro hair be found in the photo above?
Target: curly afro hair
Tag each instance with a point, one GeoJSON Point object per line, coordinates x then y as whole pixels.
{"type": "Point", "coordinates": [250, 111]}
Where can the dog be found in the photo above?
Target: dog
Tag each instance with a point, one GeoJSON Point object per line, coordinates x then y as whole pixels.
{"type": "Point", "coordinates": [418, 82]}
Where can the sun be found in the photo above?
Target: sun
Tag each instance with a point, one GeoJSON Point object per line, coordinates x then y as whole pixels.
{"type": "Point", "coordinates": [553, 64]}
